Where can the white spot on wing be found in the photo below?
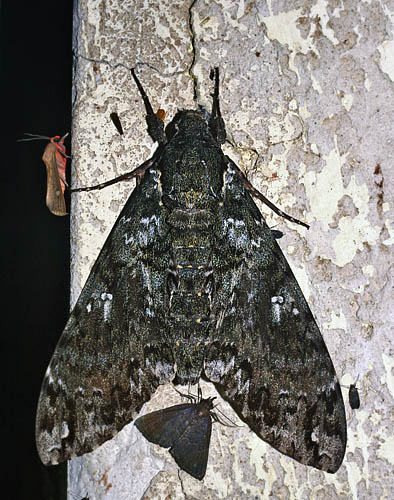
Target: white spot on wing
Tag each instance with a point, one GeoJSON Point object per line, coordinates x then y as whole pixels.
{"type": "Point", "coordinates": [149, 312]}
{"type": "Point", "coordinates": [150, 225]}
{"type": "Point", "coordinates": [127, 239]}
{"type": "Point", "coordinates": [124, 220]}
{"type": "Point", "coordinates": [276, 302]}
{"type": "Point", "coordinates": [65, 430]}
{"type": "Point", "coordinates": [107, 298]}
{"type": "Point", "coordinates": [277, 299]}
{"type": "Point", "coordinates": [237, 238]}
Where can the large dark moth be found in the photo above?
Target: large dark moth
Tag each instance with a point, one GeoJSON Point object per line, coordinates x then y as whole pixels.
{"type": "Point", "coordinates": [55, 159]}
{"type": "Point", "coordinates": [185, 429]}
{"type": "Point", "coordinates": [191, 283]}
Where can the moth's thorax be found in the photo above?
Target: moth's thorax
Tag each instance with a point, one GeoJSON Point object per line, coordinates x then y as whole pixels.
{"type": "Point", "coordinates": [193, 177]}
{"type": "Point", "coordinates": [189, 123]}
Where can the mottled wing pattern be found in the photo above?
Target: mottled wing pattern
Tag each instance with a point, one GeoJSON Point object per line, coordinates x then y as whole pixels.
{"type": "Point", "coordinates": [267, 357]}
{"type": "Point", "coordinates": [186, 430]}
{"type": "Point", "coordinates": [105, 365]}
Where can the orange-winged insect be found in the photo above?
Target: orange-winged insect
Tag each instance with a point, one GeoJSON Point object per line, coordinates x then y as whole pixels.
{"type": "Point", "coordinates": [55, 159]}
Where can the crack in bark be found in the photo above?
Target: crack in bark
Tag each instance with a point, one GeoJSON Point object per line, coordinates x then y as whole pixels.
{"type": "Point", "coordinates": [114, 65]}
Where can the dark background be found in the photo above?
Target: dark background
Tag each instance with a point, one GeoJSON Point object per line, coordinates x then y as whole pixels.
{"type": "Point", "coordinates": [36, 71]}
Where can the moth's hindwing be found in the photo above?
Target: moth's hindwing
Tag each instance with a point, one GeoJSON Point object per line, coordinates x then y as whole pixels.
{"type": "Point", "coordinates": [186, 430]}
{"type": "Point", "coordinates": [105, 365]}
{"type": "Point", "coordinates": [267, 356]}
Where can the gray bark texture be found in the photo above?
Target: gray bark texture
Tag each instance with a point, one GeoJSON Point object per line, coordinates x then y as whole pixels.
{"type": "Point", "coordinates": [307, 97]}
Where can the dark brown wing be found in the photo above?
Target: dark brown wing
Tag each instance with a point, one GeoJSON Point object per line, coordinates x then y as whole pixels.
{"type": "Point", "coordinates": [186, 430]}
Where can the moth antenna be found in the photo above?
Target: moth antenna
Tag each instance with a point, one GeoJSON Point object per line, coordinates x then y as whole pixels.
{"type": "Point", "coordinates": [216, 123]}
{"type": "Point", "coordinates": [355, 383]}
{"type": "Point", "coordinates": [190, 397]}
{"type": "Point", "coordinates": [155, 124]}
{"type": "Point", "coordinates": [34, 137]}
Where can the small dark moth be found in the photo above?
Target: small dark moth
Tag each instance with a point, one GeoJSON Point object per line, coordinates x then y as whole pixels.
{"type": "Point", "coordinates": [191, 283]}
{"type": "Point", "coordinates": [55, 159]}
{"type": "Point", "coordinates": [116, 121]}
{"type": "Point", "coordinates": [354, 397]}
{"type": "Point", "coordinates": [185, 429]}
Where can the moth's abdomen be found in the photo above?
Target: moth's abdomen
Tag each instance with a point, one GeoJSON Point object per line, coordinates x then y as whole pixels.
{"type": "Point", "coordinates": [190, 287]}
{"type": "Point", "coordinates": [192, 219]}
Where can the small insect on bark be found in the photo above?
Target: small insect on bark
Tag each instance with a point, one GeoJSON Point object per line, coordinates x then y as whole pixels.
{"type": "Point", "coordinates": [116, 121]}
{"type": "Point", "coordinates": [354, 397]}
{"type": "Point", "coordinates": [55, 159]}
{"type": "Point", "coordinates": [185, 429]}
{"type": "Point", "coordinates": [192, 283]}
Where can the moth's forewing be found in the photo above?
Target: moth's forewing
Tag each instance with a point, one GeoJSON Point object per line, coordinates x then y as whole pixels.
{"type": "Point", "coordinates": [164, 427]}
{"type": "Point", "coordinates": [269, 359]}
{"type": "Point", "coordinates": [105, 366]}
{"type": "Point", "coordinates": [191, 450]}
{"type": "Point", "coordinates": [55, 191]}
{"type": "Point", "coordinates": [354, 397]}
{"type": "Point", "coordinates": [61, 160]}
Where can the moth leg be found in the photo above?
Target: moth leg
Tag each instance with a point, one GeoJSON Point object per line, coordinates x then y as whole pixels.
{"type": "Point", "coordinates": [254, 192]}
{"type": "Point", "coordinates": [64, 180]}
{"type": "Point", "coordinates": [216, 122]}
{"type": "Point", "coordinates": [190, 397]}
{"type": "Point", "coordinates": [155, 124]}
{"type": "Point", "coordinates": [69, 157]}
{"type": "Point", "coordinates": [129, 175]}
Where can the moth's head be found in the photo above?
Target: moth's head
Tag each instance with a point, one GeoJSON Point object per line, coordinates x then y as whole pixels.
{"type": "Point", "coordinates": [189, 123]}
